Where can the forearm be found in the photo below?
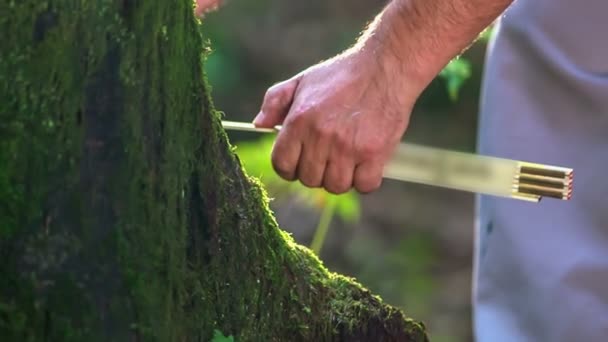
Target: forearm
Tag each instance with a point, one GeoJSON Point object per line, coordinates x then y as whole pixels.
{"type": "Point", "coordinates": [417, 38]}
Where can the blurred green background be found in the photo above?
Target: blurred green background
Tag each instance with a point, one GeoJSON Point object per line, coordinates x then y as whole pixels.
{"type": "Point", "coordinates": [411, 244]}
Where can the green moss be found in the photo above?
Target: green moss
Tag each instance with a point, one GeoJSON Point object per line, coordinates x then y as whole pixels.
{"type": "Point", "coordinates": [298, 296]}
{"type": "Point", "coordinates": [124, 212]}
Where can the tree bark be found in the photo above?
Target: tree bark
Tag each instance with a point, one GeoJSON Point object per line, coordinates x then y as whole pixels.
{"type": "Point", "coordinates": [124, 214]}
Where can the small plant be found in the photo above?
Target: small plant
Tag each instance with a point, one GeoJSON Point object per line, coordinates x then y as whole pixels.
{"type": "Point", "coordinates": [459, 70]}
{"type": "Point", "coordinates": [455, 74]}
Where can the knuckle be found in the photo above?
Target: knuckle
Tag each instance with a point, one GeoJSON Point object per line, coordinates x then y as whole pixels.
{"type": "Point", "coordinates": [306, 182]}
{"type": "Point", "coordinates": [274, 102]}
{"type": "Point", "coordinates": [369, 150]}
{"type": "Point", "coordinates": [273, 91]}
{"type": "Point", "coordinates": [309, 181]}
{"type": "Point", "coordinates": [337, 188]}
{"type": "Point", "coordinates": [342, 142]}
{"type": "Point", "coordinates": [305, 109]}
{"type": "Point", "coordinates": [275, 96]}
{"type": "Point", "coordinates": [336, 182]}
{"type": "Point", "coordinates": [282, 166]}
{"type": "Point", "coordinates": [272, 99]}
{"type": "Point", "coordinates": [325, 130]}
{"type": "Point", "coordinates": [297, 118]}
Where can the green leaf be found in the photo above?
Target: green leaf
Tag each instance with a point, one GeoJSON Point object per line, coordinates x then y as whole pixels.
{"type": "Point", "coordinates": [456, 73]}
{"type": "Point", "coordinates": [218, 336]}
{"type": "Point", "coordinates": [348, 206]}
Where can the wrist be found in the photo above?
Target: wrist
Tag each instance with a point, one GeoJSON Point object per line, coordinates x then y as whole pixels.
{"type": "Point", "coordinates": [390, 45]}
{"type": "Point", "coordinates": [413, 45]}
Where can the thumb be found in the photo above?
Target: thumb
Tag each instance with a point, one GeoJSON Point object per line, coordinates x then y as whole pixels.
{"type": "Point", "coordinates": [277, 101]}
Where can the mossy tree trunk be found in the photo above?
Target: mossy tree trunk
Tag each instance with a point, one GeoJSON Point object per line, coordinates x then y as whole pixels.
{"type": "Point", "coordinates": [124, 215]}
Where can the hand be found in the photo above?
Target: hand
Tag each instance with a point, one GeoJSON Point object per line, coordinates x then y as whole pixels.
{"type": "Point", "coordinates": [342, 120]}
{"type": "Point", "coordinates": [204, 6]}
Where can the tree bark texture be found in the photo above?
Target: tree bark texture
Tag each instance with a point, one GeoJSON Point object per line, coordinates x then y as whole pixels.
{"type": "Point", "coordinates": [124, 213]}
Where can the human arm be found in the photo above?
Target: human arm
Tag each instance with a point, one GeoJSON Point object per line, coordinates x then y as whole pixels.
{"type": "Point", "coordinates": [203, 6]}
{"type": "Point", "coordinates": [343, 118]}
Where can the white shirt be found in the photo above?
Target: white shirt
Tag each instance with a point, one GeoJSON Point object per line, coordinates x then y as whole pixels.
{"type": "Point", "coordinates": [541, 270]}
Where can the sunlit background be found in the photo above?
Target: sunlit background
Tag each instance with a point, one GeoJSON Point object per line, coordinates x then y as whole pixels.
{"type": "Point", "coordinates": [409, 243]}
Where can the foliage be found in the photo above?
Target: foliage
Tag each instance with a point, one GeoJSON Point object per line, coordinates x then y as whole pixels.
{"type": "Point", "coordinates": [455, 74]}
{"type": "Point", "coordinates": [218, 336]}
{"type": "Point", "coordinates": [459, 70]}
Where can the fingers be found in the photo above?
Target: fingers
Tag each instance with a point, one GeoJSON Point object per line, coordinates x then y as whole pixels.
{"type": "Point", "coordinates": [286, 153]}
{"type": "Point", "coordinates": [338, 177]}
{"type": "Point", "coordinates": [322, 154]}
{"type": "Point", "coordinates": [301, 148]}
{"type": "Point", "coordinates": [304, 153]}
{"type": "Point", "coordinates": [372, 154]}
{"type": "Point", "coordinates": [368, 176]}
{"type": "Point", "coordinates": [276, 104]}
{"type": "Point", "coordinates": [313, 159]}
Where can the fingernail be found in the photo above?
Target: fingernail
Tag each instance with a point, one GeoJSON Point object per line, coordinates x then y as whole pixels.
{"type": "Point", "coordinates": [259, 118]}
